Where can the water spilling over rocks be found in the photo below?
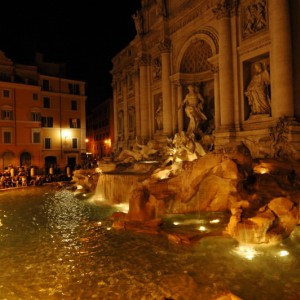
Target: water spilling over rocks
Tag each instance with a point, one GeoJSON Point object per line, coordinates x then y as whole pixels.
{"type": "Point", "coordinates": [262, 195]}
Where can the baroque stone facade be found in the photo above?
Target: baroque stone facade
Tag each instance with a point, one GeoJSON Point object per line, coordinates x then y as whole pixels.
{"type": "Point", "coordinates": [239, 55]}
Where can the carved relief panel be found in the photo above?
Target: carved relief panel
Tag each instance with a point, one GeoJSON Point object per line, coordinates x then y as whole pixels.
{"type": "Point", "coordinates": [254, 17]}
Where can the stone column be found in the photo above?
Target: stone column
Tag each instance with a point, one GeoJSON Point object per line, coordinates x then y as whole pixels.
{"type": "Point", "coordinates": [295, 10]}
{"type": "Point", "coordinates": [179, 111]}
{"type": "Point", "coordinates": [125, 106]}
{"type": "Point", "coordinates": [174, 108]}
{"type": "Point", "coordinates": [137, 102]}
{"type": "Point", "coordinates": [166, 86]}
{"type": "Point", "coordinates": [222, 12]}
{"type": "Point", "coordinates": [281, 71]}
{"type": "Point", "coordinates": [115, 116]}
{"type": "Point", "coordinates": [217, 98]}
{"type": "Point", "coordinates": [144, 103]}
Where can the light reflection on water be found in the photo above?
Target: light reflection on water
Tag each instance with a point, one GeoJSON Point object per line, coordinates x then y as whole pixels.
{"type": "Point", "coordinates": [56, 245]}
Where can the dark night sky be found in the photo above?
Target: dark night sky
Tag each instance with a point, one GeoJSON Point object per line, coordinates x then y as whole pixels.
{"type": "Point", "coordinates": [85, 35]}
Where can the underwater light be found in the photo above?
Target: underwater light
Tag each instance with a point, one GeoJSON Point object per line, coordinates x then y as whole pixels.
{"type": "Point", "coordinates": [202, 228]}
{"type": "Point", "coordinates": [283, 253]}
{"type": "Point", "coordinates": [123, 207]}
{"type": "Point", "coordinates": [214, 221]}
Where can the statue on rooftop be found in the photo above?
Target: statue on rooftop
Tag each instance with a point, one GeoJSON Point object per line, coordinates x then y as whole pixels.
{"type": "Point", "coordinates": [138, 21]}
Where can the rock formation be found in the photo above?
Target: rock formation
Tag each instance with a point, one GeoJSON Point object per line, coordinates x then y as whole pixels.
{"type": "Point", "coordinates": [262, 195]}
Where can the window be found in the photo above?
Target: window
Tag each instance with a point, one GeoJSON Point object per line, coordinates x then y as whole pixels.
{"type": "Point", "coordinates": [6, 94]}
{"type": "Point", "coordinates": [74, 105]}
{"type": "Point", "coordinates": [35, 96]}
{"type": "Point", "coordinates": [7, 137]}
{"type": "Point", "coordinates": [74, 89]}
{"type": "Point", "coordinates": [6, 114]}
{"type": "Point", "coordinates": [46, 102]}
{"type": "Point", "coordinates": [46, 85]}
{"type": "Point", "coordinates": [47, 121]}
{"type": "Point", "coordinates": [35, 116]}
{"type": "Point", "coordinates": [36, 137]}
{"type": "Point", "coordinates": [74, 143]}
{"type": "Point", "coordinates": [47, 143]}
{"type": "Point", "coordinates": [74, 123]}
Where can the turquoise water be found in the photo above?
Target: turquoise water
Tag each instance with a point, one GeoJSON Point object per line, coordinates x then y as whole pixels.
{"type": "Point", "coordinates": [55, 244]}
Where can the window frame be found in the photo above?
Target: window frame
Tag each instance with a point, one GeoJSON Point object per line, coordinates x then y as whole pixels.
{"type": "Point", "coordinates": [5, 134]}
{"type": "Point", "coordinates": [74, 143]}
{"type": "Point", "coordinates": [6, 93]}
{"type": "Point", "coordinates": [74, 105]}
{"type": "Point", "coordinates": [46, 102]}
{"type": "Point", "coordinates": [47, 143]}
{"type": "Point", "coordinates": [34, 133]}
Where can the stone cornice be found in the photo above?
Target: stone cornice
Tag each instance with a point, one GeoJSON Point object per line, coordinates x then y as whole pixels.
{"type": "Point", "coordinates": [190, 17]}
{"type": "Point", "coordinates": [254, 45]}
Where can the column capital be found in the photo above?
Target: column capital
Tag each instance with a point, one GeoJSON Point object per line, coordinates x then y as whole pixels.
{"type": "Point", "coordinates": [144, 60]}
{"type": "Point", "coordinates": [165, 45]}
{"type": "Point", "coordinates": [178, 82]}
{"type": "Point", "coordinates": [225, 9]}
{"type": "Point", "coordinates": [215, 69]}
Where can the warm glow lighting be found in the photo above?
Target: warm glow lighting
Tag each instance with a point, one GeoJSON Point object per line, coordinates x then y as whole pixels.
{"type": "Point", "coordinates": [193, 221]}
{"type": "Point", "coordinates": [86, 140]}
{"type": "Point", "coordinates": [98, 170]}
{"type": "Point", "coordinates": [107, 142]}
{"type": "Point", "coordinates": [283, 253]}
{"type": "Point", "coordinates": [261, 169]}
{"type": "Point", "coordinates": [123, 207]}
{"type": "Point", "coordinates": [246, 252]}
{"type": "Point", "coordinates": [164, 174]}
{"type": "Point", "coordinates": [202, 228]}
{"type": "Point", "coordinates": [214, 221]}
{"type": "Point", "coordinates": [190, 222]}
{"type": "Point", "coordinates": [66, 134]}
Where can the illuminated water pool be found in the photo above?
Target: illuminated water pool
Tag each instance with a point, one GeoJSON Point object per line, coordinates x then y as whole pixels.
{"type": "Point", "coordinates": [55, 244]}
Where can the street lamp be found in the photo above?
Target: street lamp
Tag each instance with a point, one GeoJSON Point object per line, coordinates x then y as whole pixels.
{"type": "Point", "coordinates": [66, 134]}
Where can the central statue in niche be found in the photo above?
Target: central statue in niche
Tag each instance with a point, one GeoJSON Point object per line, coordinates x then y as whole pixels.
{"type": "Point", "coordinates": [194, 103]}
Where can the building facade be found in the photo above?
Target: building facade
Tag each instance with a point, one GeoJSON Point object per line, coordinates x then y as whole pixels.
{"type": "Point", "coordinates": [100, 130]}
{"type": "Point", "coordinates": [43, 122]}
{"type": "Point", "coordinates": [241, 56]}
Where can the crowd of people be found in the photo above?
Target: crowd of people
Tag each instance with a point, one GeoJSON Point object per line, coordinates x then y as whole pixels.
{"type": "Point", "coordinates": [23, 178]}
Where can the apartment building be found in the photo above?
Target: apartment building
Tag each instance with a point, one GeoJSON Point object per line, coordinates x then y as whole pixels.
{"type": "Point", "coordinates": [42, 121]}
{"type": "Point", "coordinates": [100, 130]}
